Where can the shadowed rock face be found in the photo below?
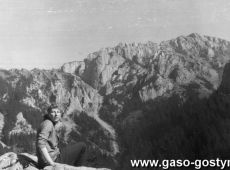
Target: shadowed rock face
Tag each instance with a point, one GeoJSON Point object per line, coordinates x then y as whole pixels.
{"type": "Point", "coordinates": [132, 101]}
{"type": "Point", "coordinates": [225, 84]}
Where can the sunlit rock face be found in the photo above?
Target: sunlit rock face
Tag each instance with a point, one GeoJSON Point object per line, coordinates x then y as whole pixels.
{"type": "Point", "coordinates": [129, 101]}
{"type": "Point", "coordinates": [2, 123]}
{"type": "Point", "coordinates": [75, 67]}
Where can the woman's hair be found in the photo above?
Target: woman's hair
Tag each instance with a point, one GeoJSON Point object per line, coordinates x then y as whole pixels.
{"type": "Point", "coordinates": [49, 110]}
{"type": "Point", "coordinates": [52, 106]}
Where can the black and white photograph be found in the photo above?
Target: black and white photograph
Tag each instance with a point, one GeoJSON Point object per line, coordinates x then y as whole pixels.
{"type": "Point", "coordinates": [114, 84]}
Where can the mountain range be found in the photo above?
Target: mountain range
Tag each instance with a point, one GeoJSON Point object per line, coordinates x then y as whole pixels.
{"type": "Point", "coordinates": [132, 101]}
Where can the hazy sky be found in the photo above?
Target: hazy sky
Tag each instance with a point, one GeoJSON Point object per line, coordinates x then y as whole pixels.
{"type": "Point", "coordinates": [48, 33]}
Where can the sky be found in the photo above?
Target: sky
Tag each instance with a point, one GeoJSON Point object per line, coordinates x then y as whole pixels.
{"type": "Point", "coordinates": [46, 34]}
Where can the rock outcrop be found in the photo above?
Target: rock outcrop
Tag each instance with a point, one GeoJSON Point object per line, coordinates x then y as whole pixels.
{"type": "Point", "coordinates": [21, 126]}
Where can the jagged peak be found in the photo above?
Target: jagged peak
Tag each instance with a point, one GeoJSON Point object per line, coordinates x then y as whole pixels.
{"type": "Point", "coordinates": [195, 35]}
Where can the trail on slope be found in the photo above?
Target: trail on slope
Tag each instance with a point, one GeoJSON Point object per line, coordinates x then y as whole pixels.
{"type": "Point", "coordinates": [110, 129]}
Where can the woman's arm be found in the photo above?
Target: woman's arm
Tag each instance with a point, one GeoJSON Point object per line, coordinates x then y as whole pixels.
{"type": "Point", "coordinates": [47, 156]}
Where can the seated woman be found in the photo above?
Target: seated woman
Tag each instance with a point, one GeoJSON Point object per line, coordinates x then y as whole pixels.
{"type": "Point", "coordinates": [47, 143]}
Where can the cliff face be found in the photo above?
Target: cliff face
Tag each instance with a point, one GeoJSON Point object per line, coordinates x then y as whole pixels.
{"type": "Point", "coordinates": [130, 101]}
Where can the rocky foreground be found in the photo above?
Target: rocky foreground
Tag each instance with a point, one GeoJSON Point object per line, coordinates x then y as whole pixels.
{"type": "Point", "coordinates": [24, 161]}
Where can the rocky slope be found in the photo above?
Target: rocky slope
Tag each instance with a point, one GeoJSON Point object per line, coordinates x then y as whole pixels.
{"type": "Point", "coordinates": [131, 101]}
